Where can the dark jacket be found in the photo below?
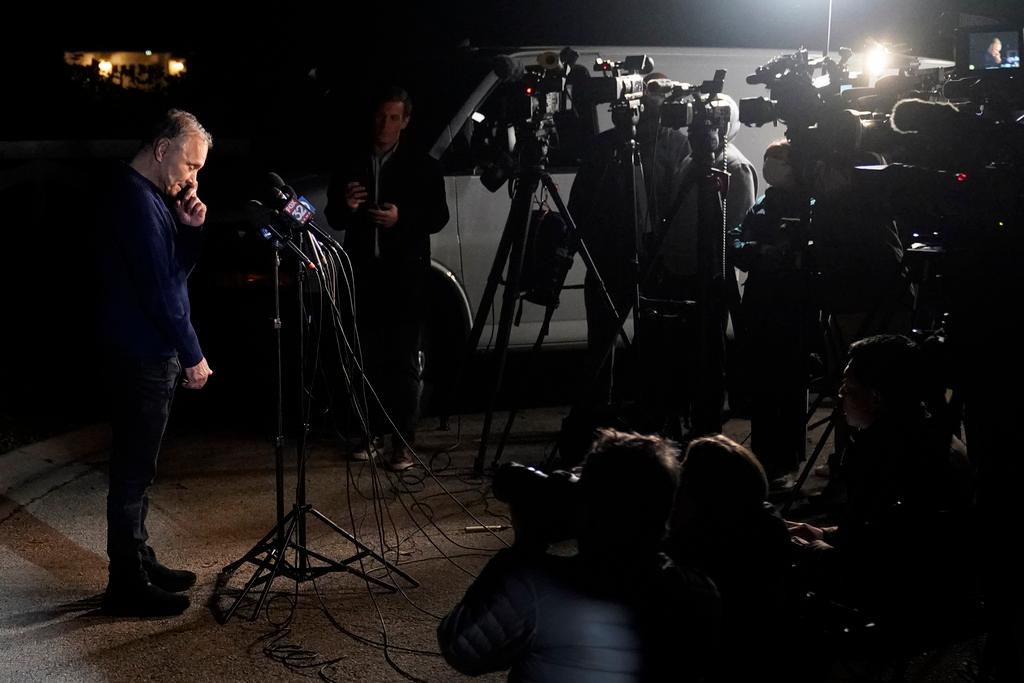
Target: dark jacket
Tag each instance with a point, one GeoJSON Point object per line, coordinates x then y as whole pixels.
{"type": "Point", "coordinates": [145, 258]}
{"type": "Point", "coordinates": [747, 553]}
{"type": "Point", "coordinates": [548, 618]}
{"type": "Point", "coordinates": [411, 181]}
{"type": "Point", "coordinates": [598, 201]}
{"type": "Point", "coordinates": [904, 534]}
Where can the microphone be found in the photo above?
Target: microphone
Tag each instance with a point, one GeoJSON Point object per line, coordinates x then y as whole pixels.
{"type": "Point", "coordinates": [297, 208]}
{"type": "Point", "coordinates": [929, 118]}
{"type": "Point", "coordinates": [279, 241]}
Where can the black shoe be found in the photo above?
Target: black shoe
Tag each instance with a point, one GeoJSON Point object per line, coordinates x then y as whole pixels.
{"type": "Point", "coordinates": [139, 599]}
{"type": "Point", "coordinates": [170, 580]}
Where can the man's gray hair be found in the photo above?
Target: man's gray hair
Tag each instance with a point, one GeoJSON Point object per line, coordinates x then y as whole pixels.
{"type": "Point", "coordinates": [175, 124]}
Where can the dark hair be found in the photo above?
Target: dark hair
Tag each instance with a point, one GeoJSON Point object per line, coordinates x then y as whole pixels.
{"type": "Point", "coordinates": [890, 364]}
{"type": "Point", "coordinates": [629, 482]}
{"type": "Point", "coordinates": [392, 93]}
{"type": "Point", "coordinates": [176, 123]}
{"type": "Point", "coordinates": [719, 472]}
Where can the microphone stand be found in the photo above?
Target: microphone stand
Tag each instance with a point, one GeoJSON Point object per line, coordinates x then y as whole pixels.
{"type": "Point", "coordinates": [270, 553]}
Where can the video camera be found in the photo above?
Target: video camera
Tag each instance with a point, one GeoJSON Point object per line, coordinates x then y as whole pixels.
{"type": "Point", "coordinates": [550, 106]}
{"type": "Point", "coordinates": [962, 168]}
{"type": "Point", "coordinates": [551, 505]}
{"type": "Point", "coordinates": [796, 100]}
{"type": "Point", "coordinates": [701, 109]}
{"type": "Point", "coordinates": [621, 82]}
{"type": "Point", "coordinates": [833, 116]}
{"type": "Point", "coordinates": [547, 89]}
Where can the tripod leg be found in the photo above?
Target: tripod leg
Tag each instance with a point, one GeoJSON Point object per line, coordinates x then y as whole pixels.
{"type": "Point", "coordinates": [810, 462]}
{"type": "Point", "coordinates": [520, 212]}
{"type": "Point", "coordinates": [487, 298]}
{"type": "Point", "coordinates": [597, 360]}
{"type": "Point", "coordinates": [549, 311]}
{"type": "Point", "coordinates": [584, 253]}
{"type": "Point", "coordinates": [331, 565]}
{"type": "Point", "coordinates": [366, 550]}
{"type": "Point", "coordinates": [262, 546]}
{"type": "Point", "coordinates": [275, 553]}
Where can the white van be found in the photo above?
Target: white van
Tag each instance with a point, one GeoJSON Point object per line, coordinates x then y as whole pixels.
{"type": "Point", "coordinates": [463, 253]}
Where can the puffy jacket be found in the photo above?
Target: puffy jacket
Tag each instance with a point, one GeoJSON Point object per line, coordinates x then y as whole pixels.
{"type": "Point", "coordinates": [548, 618]}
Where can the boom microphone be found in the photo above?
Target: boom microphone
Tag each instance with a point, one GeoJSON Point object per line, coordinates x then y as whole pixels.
{"type": "Point", "coordinates": [929, 118]}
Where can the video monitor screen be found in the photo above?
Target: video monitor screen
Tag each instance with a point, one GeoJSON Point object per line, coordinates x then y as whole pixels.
{"type": "Point", "coordinates": [994, 49]}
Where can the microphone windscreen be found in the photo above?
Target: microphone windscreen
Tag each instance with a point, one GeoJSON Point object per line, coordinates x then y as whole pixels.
{"type": "Point", "coordinates": [919, 115]}
{"type": "Point", "coordinates": [507, 69]}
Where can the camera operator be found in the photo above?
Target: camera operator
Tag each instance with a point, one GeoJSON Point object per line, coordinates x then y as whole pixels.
{"type": "Point", "coordinates": [857, 249]}
{"type": "Point", "coordinates": [771, 247]}
{"type": "Point", "coordinates": [666, 247]}
{"type": "Point", "coordinates": [600, 203]}
{"type": "Point", "coordinates": [619, 610]}
{"type": "Point", "coordinates": [698, 389]}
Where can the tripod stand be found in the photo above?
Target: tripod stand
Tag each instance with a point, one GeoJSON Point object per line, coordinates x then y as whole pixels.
{"type": "Point", "coordinates": [289, 533]}
{"type": "Point", "coordinates": [529, 176]}
{"type": "Point", "coordinates": [705, 311]}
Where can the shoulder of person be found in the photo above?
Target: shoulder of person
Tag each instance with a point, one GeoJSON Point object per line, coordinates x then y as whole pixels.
{"type": "Point", "coordinates": [737, 158]}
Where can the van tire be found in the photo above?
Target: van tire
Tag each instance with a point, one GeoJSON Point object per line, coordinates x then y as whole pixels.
{"type": "Point", "coordinates": [442, 344]}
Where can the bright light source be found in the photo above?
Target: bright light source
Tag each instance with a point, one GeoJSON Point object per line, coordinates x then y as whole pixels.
{"type": "Point", "coordinates": [877, 61]}
{"type": "Point", "coordinates": [477, 117]}
{"type": "Point", "coordinates": [149, 53]}
{"type": "Point", "coordinates": [106, 68]}
{"type": "Point", "coordinates": [175, 67]}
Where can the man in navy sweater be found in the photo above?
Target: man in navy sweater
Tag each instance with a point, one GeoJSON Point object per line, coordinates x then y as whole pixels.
{"type": "Point", "coordinates": [149, 231]}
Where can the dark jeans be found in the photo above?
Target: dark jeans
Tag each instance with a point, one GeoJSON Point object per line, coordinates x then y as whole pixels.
{"type": "Point", "coordinates": [140, 394]}
{"type": "Point", "coordinates": [391, 355]}
{"type": "Point", "coordinates": [779, 321]}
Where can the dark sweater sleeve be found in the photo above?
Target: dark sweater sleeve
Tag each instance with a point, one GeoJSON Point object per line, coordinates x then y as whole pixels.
{"type": "Point", "coordinates": [147, 242]}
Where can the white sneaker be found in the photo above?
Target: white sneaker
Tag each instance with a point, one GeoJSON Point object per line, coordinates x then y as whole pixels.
{"type": "Point", "coordinates": [366, 452]}
{"type": "Point", "coordinates": [399, 460]}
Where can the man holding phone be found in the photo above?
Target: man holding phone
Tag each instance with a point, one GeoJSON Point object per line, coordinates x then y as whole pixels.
{"type": "Point", "coordinates": [149, 221]}
{"type": "Point", "coordinates": [389, 198]}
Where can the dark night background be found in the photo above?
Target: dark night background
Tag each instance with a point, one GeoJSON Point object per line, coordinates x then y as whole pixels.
{"type": "Point", "coordinates": [248, 82]}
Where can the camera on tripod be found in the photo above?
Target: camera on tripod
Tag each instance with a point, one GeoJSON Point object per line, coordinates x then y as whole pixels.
{"type": "Point", "coordinates": [703, 110]}
{"type": "Point", "coordinates": [538, 112]}
{"type": "Point", "coordinates": [551, 505]}
{"type": "Point", "coordinates": [796, 100]}
{"type": "Point", "coordinates": [620, 82]}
